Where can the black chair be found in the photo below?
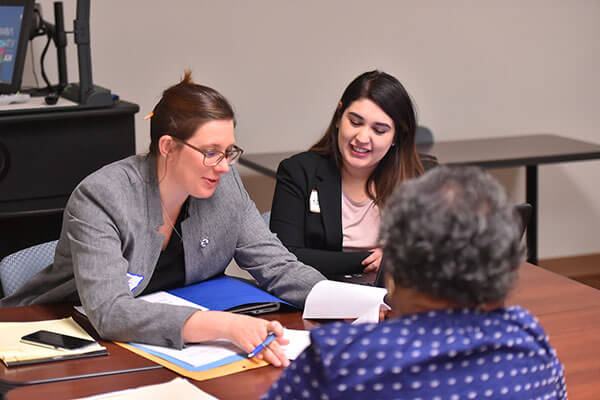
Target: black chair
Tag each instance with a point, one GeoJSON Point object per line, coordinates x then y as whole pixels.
{"type": "Point", "coordinates": [423, 136]}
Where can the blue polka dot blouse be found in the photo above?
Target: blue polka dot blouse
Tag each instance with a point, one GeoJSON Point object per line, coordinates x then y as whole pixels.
{"type": "Point", "coordinates": [457, 354]}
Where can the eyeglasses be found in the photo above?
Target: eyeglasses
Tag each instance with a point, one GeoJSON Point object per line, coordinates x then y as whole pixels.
{"type": "Point", "coordinates": [213, 157]}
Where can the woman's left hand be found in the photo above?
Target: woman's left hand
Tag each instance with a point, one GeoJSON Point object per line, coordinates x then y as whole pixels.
{"type": "Point", "coordinates": [373, 261]}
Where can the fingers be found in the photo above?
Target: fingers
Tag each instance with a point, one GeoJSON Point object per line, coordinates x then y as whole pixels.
{"type": "Point", "coordinates": [272, 353]}
{"type": "Point", "coordinates": [370, 268]}
{"type": "Point", "coordinates": [275, 355]}
{"type": "Point", "coordinates": [374, 266]}
{"type": "Point", "coordinates": [368, 260]}
{"type": "Point", "coordinates": [276, 328]}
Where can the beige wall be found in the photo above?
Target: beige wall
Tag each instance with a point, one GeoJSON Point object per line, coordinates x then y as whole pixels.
{"type": "Point", "coordinates": [474, 69]}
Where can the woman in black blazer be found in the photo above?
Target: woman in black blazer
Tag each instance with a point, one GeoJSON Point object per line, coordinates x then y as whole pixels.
{"type": "Point", "coordinates": [367, 150]}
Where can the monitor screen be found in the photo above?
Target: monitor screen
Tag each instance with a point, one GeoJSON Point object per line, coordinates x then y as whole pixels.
{"type": "Point", "coordinates": [15, 23]}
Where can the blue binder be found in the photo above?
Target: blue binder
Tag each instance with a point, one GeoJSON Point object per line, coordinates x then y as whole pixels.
{"type": "Point", "coordinates": [229, 294]}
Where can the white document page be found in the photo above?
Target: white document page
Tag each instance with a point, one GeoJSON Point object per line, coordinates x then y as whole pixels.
{"type": "Point", "coordinates": [299, 340]}
{"type": "Point", "coordinates": [160, 297]}
{"type": "Point", "coordinates": [332, 299]}
{"type": "Point", "coordinates": [177, 388]}
{"type": "Point", "coordinates": [167, 298]}
{"type": "Point", "coordinates": [371, 316]}
{"type": "Point", "coordinates": [199, 354]}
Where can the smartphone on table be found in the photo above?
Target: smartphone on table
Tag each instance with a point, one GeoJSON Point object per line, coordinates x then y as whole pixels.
{"type": "Point", "coordinates": [55, 340]}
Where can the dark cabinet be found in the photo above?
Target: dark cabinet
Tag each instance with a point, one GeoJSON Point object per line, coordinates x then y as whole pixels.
{"type": "Point", "coordinates": [44, 155]}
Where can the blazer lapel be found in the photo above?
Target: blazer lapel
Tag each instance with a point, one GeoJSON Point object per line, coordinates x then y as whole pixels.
{"type": "Point", "coordinates": [329, 188]}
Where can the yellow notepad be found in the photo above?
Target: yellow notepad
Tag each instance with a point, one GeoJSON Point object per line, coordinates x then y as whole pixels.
{"type": "Point", "coordinates": [13, 352]}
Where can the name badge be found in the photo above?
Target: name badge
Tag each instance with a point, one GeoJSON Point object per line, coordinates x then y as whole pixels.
{"type": "Point", "coordinates": [313, 202]}
{"type": "Point", "coordinates": [134, 281]}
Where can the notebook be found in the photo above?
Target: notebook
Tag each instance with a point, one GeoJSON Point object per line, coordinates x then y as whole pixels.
{"type": "Point", "coordinates": [13, 352]}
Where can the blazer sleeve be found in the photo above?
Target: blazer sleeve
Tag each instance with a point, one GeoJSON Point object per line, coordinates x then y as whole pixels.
{"type": "Point", "coordinates": [100, 269]}
{"type": "Point", "coordinates": [289, 223]}
{"type": "Point", "coordinates": [259, 252]}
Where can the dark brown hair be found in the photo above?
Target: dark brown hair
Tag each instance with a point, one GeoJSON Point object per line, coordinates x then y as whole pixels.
{"type": "Point", "coordinates": [401, 162]}
{"type": "Point", "coordinates": [183, 108]}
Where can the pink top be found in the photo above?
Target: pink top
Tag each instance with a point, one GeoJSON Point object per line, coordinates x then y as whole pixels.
{"type": "Point", "coordinates": [360, 224]}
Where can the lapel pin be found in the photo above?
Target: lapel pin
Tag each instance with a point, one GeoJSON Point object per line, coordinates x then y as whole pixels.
{"type": "Point", "coordinates": [204, 243]}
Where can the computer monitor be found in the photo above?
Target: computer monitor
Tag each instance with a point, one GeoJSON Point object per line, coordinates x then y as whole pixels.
{"type": "Point", "coordinates": [16, 17]}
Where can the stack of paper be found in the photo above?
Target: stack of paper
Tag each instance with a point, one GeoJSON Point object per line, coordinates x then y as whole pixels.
{"type": "Point", "coordinates": [13, 352]}
{"type": "Point", "coordinates": [350, 301]}
{"type": "Point", "coordinates": [208, 360]}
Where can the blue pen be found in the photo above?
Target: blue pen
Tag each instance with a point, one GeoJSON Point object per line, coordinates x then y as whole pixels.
{"type": "Point", "coordinates": [270, 337]}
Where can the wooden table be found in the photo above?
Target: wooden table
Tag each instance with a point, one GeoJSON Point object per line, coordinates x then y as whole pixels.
{"type": "Point", "coordinates": [569, 312]}
{"type": "Point", "coordinates": [514, 151]}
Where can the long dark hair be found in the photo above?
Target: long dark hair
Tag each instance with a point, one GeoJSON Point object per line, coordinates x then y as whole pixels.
{"type": "Point", "coordinates": [401, 162]}
{"type": "Point", "coordinates": [183, 108]}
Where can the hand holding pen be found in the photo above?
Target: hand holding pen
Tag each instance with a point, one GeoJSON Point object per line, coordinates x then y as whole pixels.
{"type": "Point", "coordinates": [270, 337]}
{"type": "Point", "coordinates": [267, 346]}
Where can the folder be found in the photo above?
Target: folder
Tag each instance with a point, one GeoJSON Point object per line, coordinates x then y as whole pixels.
{"type": "Point", "coordinates": [207, 360]}
{"type": "Point", "coordinates": [225, 293]}
{"type": "Point", "coordinates": [201, 373]}
{"type": "Point", "coordinates": [222, 293]}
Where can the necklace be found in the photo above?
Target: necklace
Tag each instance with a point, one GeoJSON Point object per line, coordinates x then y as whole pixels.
{"type": "Point", "coordinates": [169, 219]}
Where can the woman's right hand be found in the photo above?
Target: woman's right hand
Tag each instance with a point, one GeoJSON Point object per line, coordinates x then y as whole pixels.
{"type": "Point", "coordinates": [373, 261]}
{"type": "Point", "coordinates": [244, 331]}
{"type": "Point", "coordinates": [249, 332]}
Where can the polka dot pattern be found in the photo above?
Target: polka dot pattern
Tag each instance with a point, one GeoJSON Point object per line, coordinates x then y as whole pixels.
{"type": "Point", "coordinates": [437, 355]}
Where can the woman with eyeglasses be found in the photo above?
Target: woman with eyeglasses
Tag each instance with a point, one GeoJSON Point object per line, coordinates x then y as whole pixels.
{"type": "Point", "coordinates": [173, 217]}
{"type": "Point", "coordinates": [327, 199]}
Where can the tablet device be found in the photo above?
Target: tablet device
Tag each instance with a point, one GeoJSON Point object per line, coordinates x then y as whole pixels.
{"type": "Point", "coordinates": [255, 308]}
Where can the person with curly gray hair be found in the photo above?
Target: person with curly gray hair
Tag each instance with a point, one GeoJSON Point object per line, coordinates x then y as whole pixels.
{"type": "Point", "coordinates": [452, 247]}
{"type": "Point", "coordinates": [452, 237]}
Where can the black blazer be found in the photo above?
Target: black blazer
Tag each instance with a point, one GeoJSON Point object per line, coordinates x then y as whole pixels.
{"type": "Point", "coordinates": [315, 238]}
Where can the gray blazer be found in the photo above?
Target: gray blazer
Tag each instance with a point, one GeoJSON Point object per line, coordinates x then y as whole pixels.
{"type": "Point", "coordinates": [110, 235]}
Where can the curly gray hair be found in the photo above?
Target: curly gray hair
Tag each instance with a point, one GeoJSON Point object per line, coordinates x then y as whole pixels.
{"type": "Point", "coordinates": [453, 235]}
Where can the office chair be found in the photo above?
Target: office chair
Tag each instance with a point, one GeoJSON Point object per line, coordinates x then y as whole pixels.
{"type": "Point", "coordinates": [17, 268]}
{"type": "Point", "coordinates": [423, 135]}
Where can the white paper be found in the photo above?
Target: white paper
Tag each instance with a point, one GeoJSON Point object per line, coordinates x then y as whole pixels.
{"type": "Point", "coordinates": [299, 340]}
{"type": "Point", "coordinates": [168, 298]}
{"type": "Point", "coordinates": [178, 387]}
{"type": "Point", "coordinates": [332, 299]}
{"type": "Point", "coordinates": [160, 297]}
{"type": "Point", "coordinates": [372, 315]}
{"type": "Point", "coordinates": [198, 354]}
